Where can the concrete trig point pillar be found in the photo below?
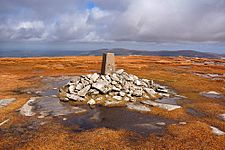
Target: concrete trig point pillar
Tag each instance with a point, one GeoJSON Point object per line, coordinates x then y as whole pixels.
{"type": "Point", "coordinates": [108, 63]}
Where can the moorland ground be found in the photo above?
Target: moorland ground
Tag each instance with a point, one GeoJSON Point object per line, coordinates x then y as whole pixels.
{"type": "Point", "coordinates": [176, 72]}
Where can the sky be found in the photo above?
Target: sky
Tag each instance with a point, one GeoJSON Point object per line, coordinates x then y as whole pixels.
{"type": "Point", "coordinates": [95, 24]}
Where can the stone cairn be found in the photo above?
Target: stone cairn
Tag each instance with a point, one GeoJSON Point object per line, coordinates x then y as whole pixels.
{"type": "Point", "coordinates": [110, 87]}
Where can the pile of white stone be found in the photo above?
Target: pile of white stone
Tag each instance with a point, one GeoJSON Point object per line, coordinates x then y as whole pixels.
{"type": "Point", "coordinates": [110, 88]}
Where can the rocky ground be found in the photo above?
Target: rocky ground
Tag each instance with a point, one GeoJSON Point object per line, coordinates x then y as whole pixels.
{"type": "Point", "coordinates": [167, 105]}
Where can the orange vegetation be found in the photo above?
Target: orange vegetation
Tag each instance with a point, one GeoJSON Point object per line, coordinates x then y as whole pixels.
{"type": "Point", "coordinates": [176, 72]}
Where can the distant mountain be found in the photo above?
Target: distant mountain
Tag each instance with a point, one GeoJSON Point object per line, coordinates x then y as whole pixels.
{"type": "Point", "coordinates": [126, 52]}
{"type": "Point", "coordinates": [117, 51]}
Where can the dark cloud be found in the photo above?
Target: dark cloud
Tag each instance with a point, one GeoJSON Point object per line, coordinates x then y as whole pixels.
{"type": "Point", "coordinates": [113, 20]}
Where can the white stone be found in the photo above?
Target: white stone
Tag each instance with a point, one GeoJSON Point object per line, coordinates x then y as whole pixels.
{"type": "Point", "coordinates": [74, 97]}
{"type": "Point", "coordinates": [127, 99]}
{"type": "Point", "coordinates": [168, 107]}
{"type": "Point", "coordinates": [120, 71]}
{"type": "Point", "coordinates": [72, 88]}
{"type": "Point", "coordinates": [112, 103]}
{"type": "Point", "coordinates": [94, 77]}
{"type": "Point", "coordinates": [217, 131]}
{"type": "Point", "coordinates": [101, 86]}
{"type": "Point", "coordinates": [137, 82]}
{"type": "Point", "coordinates": [122, 93]}
{"type": "Point", "coordinates": [150, 91]}
{"type": "Point", "coordinates": [182, 123]}
{"type": "Point", "coordinates": [91, 102]}
{"type": "Point", "coordinates": [161, 123]}
{"type": "Point", "coordinates": [119, 98]}
{"type": "Point", "coordinates": [79, 86]}
{"type": "Point", "coordinates": [84, 91]}
{"type": "Point", "coordinates": [26, 109]}
{"type": "Point", "coordinates": [138, 107]}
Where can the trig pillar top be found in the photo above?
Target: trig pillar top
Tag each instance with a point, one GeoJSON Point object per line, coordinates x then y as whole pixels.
{"type": "Point", "coordinates": [108, 63]}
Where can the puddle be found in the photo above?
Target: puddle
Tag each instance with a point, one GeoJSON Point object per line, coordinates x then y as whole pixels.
{"type": "Point", "coordinates": [117, 118]}
{"type": "Point", "coordinates": [172, 101]}
{"type": "Point", "coordinates": [195, 112]}
{"type": "Point", "coordinates": [83, 118]}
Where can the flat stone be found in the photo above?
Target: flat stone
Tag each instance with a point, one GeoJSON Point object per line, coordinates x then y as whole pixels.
{"type": "Point", "coordinates": [102, 86]}
{"type": "Point", "coordinates": [172, 100]}
{"type": "Point", "coordinates": [122, 93]}
{"type": "Point", "coordinates": [182, 123]}
{"type": "Point", "coordinates": [212, 94]}
{"type": "Point", "coordinates": [138, 93]}
{"type": "Point", "coordinates": [168, 107]}
{"type": "Point", "coordinates": [119, 98]}
{"type": "Point", "coordinates": [127, 99]}
{"type": "Point", "coordinates": [114, 77]}
{"type": "Point", "coordinates": [72, 88]}
{"type": "Point", "coordinates": [7, 101]}
{"type": "Point", "coordinates": [138, 107]}
{"type": "Point", "coordinates": [217, 131]}
{"type": "Point", "coordinates": [120, 71]}
{"type": "Point", "coordinates": [84, 91]}
{"type": "Point", "coordinates": [91, 102]}
{"type": "Point", "coordinates": [74, 97]}
{"type": "Point", "coordinates": [137, 82]}
{"type": "Point", "coordinates": [150, 91]}
{"type": "Point", "coordinates": [112, 103]}
{"type": "Point", "coordinates": [94, 77]}
{"type": "Point", "coordinates": [161, 123]}
{"type": "Point", "coordinates": [26, 109]}
{"type": "Point", "coordinates": [79, 86]}
{"type": "Point", "coordinates": [115, 89]}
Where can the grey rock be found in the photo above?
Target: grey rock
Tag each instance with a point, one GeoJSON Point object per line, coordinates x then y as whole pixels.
{"type": "Point", "coordinates": [108, 78]}
{"type": "Point", "coordinates": [94, 91]}
{"type": "Point", "coordinates": [120, 71]}
{"type": "Point", "coordinates": [91, 102]}
{"type": "Point", "coordinates": [137, 82]}
{"type": "Point", "coordinates": [94, 77]}
{"type": "Point", "coordinates": [161, 123]}
{"type": "Point", "coordinates": [138, 107]}
{"type": "Point", "coordinates": [168, 107]}
{"type": "Point", "coordinates": [138, 93]}
{"type": "Point", "coordinates": [119, 98]}
{"type": "Point", "coordinates": [72, 88]}
{"type": "Point", "coordinates": [122, 93]}
{"type": "Point", "coordinates": [79, 86]}
{"type": "Point", "coordinates": [84, 91]}
{"type": "Point", "coordinates": [114, 77]}
{"type": "Point", "coordinates": [26, 109]}
{"type": "Point", "coordinates": [217, 131]}
{"type": "Point", "coordinates": [150, 91]}
{"type": "Point", "coordinates": [162, 90]}
{"type": "Point", "coordinates": [102, 86]}
{"type": "Point", "coordinates": [115, 89]}
{"type": "Point", "coordinates": [112, 103]}
{"type": "Point", "coordinates": [127, 99]}
{"type": "Point", "coordinates": [114, 82]}
{"type": "Point", "coordinates": [74, 97]}
{"type": "Point", "coordinates": [7, 101]}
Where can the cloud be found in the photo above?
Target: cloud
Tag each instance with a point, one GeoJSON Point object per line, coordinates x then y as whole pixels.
{"type": "Point", "coordinates": [114, 20]}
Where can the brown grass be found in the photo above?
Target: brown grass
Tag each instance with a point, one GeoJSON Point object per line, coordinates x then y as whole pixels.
{"type": "Point", "coordinates": [16, 73]}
